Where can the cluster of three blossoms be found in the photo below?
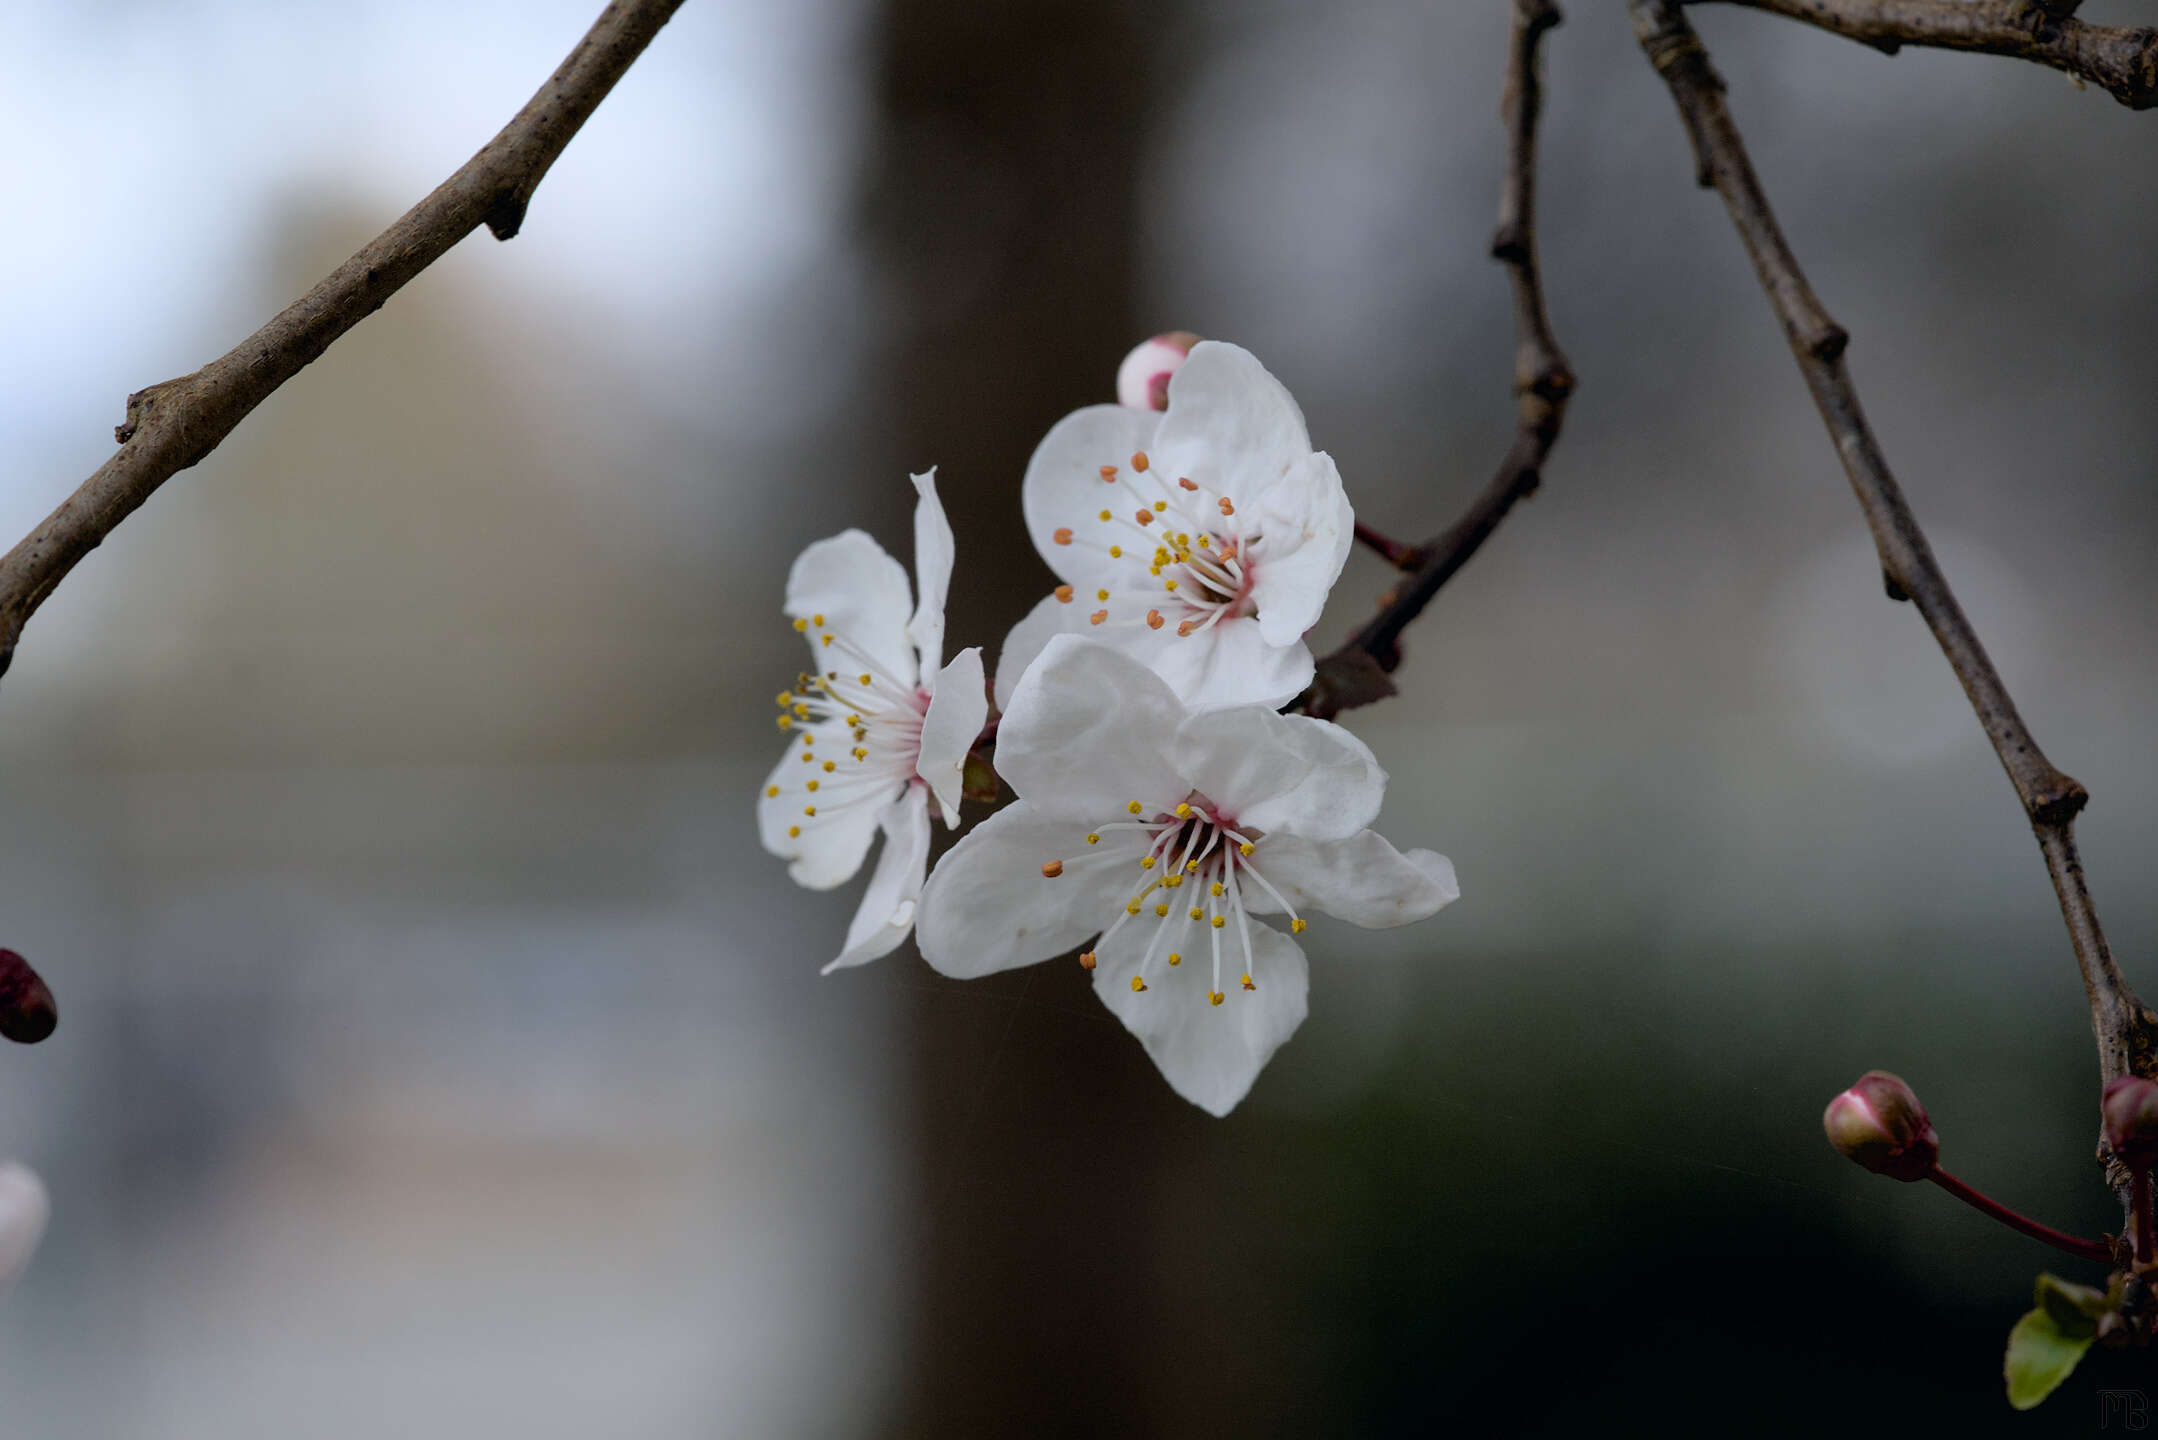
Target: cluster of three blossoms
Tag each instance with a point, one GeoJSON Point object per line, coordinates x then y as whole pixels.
{"type": "Point", "coordinates": [1163, 799]}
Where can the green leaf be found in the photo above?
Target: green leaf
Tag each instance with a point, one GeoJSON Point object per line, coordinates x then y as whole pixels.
{"type": "Point", "coordinates": [2047, 1343]}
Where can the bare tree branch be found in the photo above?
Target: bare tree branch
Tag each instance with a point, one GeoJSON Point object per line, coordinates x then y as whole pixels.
{"type": "Point", "coordinates": [173, 425]}
{"type": "Point", "coordinates": [1356, 673]}
{"type": "Point", "coordinates": [2123, 60]}
{"type": "Point", "coordinates": [2125, 1028]}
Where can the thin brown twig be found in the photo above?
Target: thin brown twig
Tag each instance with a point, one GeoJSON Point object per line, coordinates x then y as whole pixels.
{"type": "Point", "coordinates": [2125, 1028]}
{"type": "Point", "coordinates": [1356, 674]}
{"type": "Point", "coordinates": [174, 424]}
{"type": "Point", "coordinates": [2121, 59]}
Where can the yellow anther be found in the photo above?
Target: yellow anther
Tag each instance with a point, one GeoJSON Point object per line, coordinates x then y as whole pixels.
{"type": "Point", "coordinates": [1105, 515]}
{"type": "Point", "coordinates": [793, 831]}
{"type": "Point", "coordinates": [1190, 865]}
{"type": "Point", "coordinates": [1093, 839]}
{"type": "Point", "coordinates": [812, 785]}
{"type": "Point", "coordinates": [1248, 985]}
{"type": "Point", "coordinates": [1205, 540]}
{"type": "Point", "coordinates": [1220, 920]}
{"type": "Point", "coordinates": [860, 753]}
{"type": "Point", "coordinates": [1297, 927]}
{"type": "Point", "coordinates": [807, 755]}
{"type": "Point", "coordinates": [1137, 985]}
{"type": "Point", "coordinates": [1101, 594]}
{"type": "Point", "coordinates": [810, 811]}
{"type": "Point", "coordinates": [1183, 557]}
{"type": "Point", "coordinates": [785, 697]}
{"type": "Point", "coordinates": [1053, 869]}
{"type": "Point", "coordinates": [1086, 959]}
{"type": "Point", "coordinates": [854, 722]}
{"type": "Point", "coordinates": [863, 678]}
{"type": "Point", "coordinates": [786, 722]}
{"type": "Point", "coordinates": [817, 620]}
{"type": "Point", "coordinates": [1182, 811]}
{"type": "Point", "coordinates": [1153, 569]}
{"type": "Point", "coordinates": [801, 625]}
{"type": "Point", "coordinates": [1172, 881]}
{"type": "Point", "coordinates": [1116, 552]}
{"type": "Point", "coordinates": [1161, 911]}
{"type": "Point", "coordinates": [1131, 907]}
{"type": "Point", "coordinates": [1146, 862]}
{"type": "Point", "coordinates": [1213, 997]}
{"type": "Point", "coordinates": [1135, 807]}
{"type": "Point", "coordinates": [1138, 462]}
{"type": "Point", "coordinates": [801, 712]}
{"type": "Point", "coordinates": [1175, 959]}
{"type": "Point", "coordinates": [770, 791]}
{"type": "Point", "coordinates": [1214, 889]}
{"type": "Point", "coordinates": [825, 638]}
{"type": "Point", "coordinates": [1247, 847]}
{"type": "Point", "coordinates": [1169, 585]}
{"type": "Point", "coordinates": [830, 766]}
{"type": "Point", "coordinates": [1197, 913]}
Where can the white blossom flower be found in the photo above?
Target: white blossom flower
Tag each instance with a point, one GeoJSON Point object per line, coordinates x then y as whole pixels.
{"type": "Point", "coordinates": [1164, 830]}
{"type": "Point", "coordinates": [1203, 540]}
{"type": "Point", "coordinates": [876, 728]}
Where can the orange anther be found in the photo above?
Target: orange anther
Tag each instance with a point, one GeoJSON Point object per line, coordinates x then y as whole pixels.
{"type": "Point", "coordinates": [1053, 869]}
{"type": "Point", "coordinates": [1185, 483]}
{"type": "Point", "coordinates": [1108, 473]}
{"type": "Point", "coordinates": [1063, 535]}
{"type": "Point", "coordinates": [1138, 461]}
{"type": "Point", "coordinates": [1086, 959]}
{"type": "Point", "coordinates": [1064, 593]}
{"type": "Point", "coordinates": [1145, 517]}
{"type": "Point", "coordinates": [1097, 617]}
{"type": "Point", "coordinates": [1184, 627]}
{"type": "Point", "coordinates": [1153, 620]}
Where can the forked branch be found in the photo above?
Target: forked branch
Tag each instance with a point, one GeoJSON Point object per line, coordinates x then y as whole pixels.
{"type": "Point", "coordinates": [173, 425]}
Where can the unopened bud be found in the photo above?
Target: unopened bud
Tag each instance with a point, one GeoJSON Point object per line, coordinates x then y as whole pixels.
{"type": "Point", "coordinates": [1879, 1123]}
{"type": "Point", "coordinates": [1142, 381]}
{"type": "Point", "coordinates": [27, 1012]}
{"type": "Point", "coordinates": [2130, 1109]}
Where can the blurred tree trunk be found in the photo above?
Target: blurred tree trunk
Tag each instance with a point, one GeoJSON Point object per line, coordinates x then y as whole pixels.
{"type": "Point", "coordinates": [1002, 205]}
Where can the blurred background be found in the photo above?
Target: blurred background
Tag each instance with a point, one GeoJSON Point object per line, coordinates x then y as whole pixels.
{"type": "Point", "coordinates": [440, 1054]}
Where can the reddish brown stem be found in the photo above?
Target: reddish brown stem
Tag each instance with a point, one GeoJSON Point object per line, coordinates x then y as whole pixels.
{"type": "Point", "coordinates": [2096, 1250]}
{"type": "Point", "coordinates": [1398, 553]}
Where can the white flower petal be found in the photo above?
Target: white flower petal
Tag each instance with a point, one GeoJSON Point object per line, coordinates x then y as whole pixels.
{"type": "Point", "coordinates": [1209, 1054]}
{"type": "Point", "coordinates": [834, 841]}
{"type": "Point", "coordinates": [1230, 426]}
{"type": "Point", "coordinates": [1063, 488]}
{"type": "Point", "coordinates": [775, 813]}
{"type": "Point", "coordinates": [1026, 641]}
{"type": "Point", "coordinates": [1363, 880]}
{"type": "Point", "coordinates": [989, 908]}
{"type": "Point", "coordinates": [862, 594]}
{"type": "Point", "coordinates": [1088, 731]}
{"type": "Point", "coordinates": [933, 552]}
{"type": "Point", "coordinates": [24, 1209]}
{"type": "Point", "coordinates": [1308, 528]}
{"type": "Point", "coordinates": [887, 909]}
{"type": "Point", "coordinates": [958, 708]}
{"type": "Point", "coordinates": [1281, 773]}
{"type": "Point", "coordinates": [1229, 663]}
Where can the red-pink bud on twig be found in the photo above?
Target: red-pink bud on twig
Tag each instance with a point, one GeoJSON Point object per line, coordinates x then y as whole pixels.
{"type": "Point", "coordinates": [1142, 381]}
{"type": "Point", "coordinates": [27, 1012]}
{"type": "Point", "coordinates": [1879, 1123]}
{"type": "Point", "coordinates": [2130, 1109]}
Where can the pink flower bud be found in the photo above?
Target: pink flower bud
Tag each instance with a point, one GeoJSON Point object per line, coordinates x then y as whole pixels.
{"type": "Point", "coordinates": [27, 1013]}
{"type": "Point", "coordinates": [1142, 381]}
{"type": "Point", "coordinates": [2130, 1108]}
{"type": "Point", "coordinates": [1879, 1124]}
